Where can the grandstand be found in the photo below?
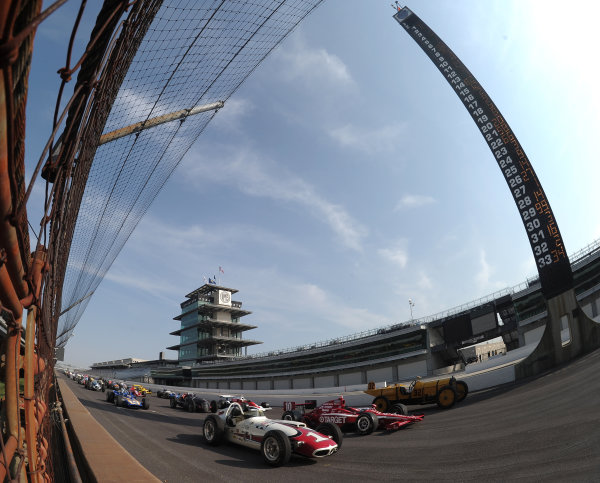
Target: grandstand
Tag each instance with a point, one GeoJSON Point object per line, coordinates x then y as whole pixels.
{"type": "Point", "coordinates": [425, 347]}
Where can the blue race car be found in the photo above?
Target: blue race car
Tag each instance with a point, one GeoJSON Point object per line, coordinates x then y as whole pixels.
{"type": "Point", "coordinates": [124, 398]}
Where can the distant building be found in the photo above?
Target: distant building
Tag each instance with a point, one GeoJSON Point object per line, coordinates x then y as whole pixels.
{"type": "Point", "coordinates": [117, 364]}
{"type": "Point", "coordinates": [210, 326]}
{"type": "Point", "coordinates": [484, 351]}
{"type": "Point", "coordinates": [131, 368]}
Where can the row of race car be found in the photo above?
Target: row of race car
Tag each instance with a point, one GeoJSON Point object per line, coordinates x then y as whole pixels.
{"type": "Point", "coordinates": [306, 429]}
{"type": "Point", "coordinates": [101, 384]}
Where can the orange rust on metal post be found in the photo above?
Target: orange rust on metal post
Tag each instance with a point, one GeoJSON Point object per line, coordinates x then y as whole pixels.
{"type": "Point", "coordinates": [30, 368]}
{"type": "Point", "coordinates": [8, 243]}
{"type": "Point", "coordinates": [38, 267]}
{"type": "Point", "coordinates": [8, 450]}
{"type": "Point", "coordinates": [13, 355]}
{"type": "Point", "coordinates": [4, 12]}
{"type": "Point", "coordinates": [8, 234]}
{"type": "Point", "coordinates": [39, 364]}
{"type": "Point", "coordinates": [8, 296]}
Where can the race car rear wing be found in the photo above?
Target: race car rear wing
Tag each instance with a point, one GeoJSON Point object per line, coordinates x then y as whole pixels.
{"type": "Point", "coordinates": [308, 404]}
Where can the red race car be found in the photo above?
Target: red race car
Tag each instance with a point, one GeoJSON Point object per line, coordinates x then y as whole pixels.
{"type": "Point", "coordinates": [245, 423]}
{"type": "Point", "coordinates": [361, 420]}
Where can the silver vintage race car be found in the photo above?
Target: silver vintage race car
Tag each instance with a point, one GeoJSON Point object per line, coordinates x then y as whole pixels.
{"type": "Point", "coordinates": [246, 424]}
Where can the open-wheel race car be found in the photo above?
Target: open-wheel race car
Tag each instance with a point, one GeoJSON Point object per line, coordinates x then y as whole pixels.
{"type": "Point", "coordinates": [363, 421]}
{"type": "Point", "coordinates": [189, 402]}
{"type": "Point", "coordinates": [124, 398]}
{"type": "Point", "coordinates": [142, 390]}
{"type": "Point", "coordinates": [226, 399]}
{"type": "Point", "coordinates": [246, 424]}
{"type": "Point", "coordinates": [165, 393]}
{"type": "Point", "coordinates": [443, 392]}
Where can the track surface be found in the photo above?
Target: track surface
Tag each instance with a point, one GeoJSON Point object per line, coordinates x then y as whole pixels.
{"type": "Point", "coordinates": [544, 429]}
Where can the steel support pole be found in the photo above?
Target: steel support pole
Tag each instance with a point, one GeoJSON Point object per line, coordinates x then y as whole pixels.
{"type": "Point", "coordinates": [156, 121]}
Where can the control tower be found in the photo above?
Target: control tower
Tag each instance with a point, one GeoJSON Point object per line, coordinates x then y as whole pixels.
{"type": "Point", "coordinates": [210, 326]}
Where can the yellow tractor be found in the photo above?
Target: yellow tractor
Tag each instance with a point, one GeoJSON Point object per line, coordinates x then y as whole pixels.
{"type": "Point", "coordinates": [444, 392]}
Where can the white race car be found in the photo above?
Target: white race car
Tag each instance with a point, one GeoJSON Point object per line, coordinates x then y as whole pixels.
{"type": "Point", "coordinates": [245, 424]}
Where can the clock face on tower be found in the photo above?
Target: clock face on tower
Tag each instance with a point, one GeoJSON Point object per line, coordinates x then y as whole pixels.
{"type": "Point", "coordinates": [224, 297]}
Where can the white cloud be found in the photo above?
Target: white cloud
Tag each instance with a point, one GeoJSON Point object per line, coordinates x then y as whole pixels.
{"type": "Point", "coordinates": [306, 322]}
{"type": "Point", "coordinates": [263, 178]}
{"type": "Point", "coordinates": [131, 107]}
{"type": "Point", "coordinates": [313, 67]}
{"type": "Point", "coordinates": [230, 117]}
{"type": "Point", "coordinates": [485, 270]}
{"type": "Point", "coordinates": [397, 254]}
{"type": "Point", "coordinates": [424, 282]}
{"type": "Point", "coordinates": [139, 282]}
{"type": "Point", "coordinates": [195, 239]}
{"type": "Point", "coordinates": [369, 141]}
{"type": "Point", "coordinates": [483, 278]}
{"type": "Point", "coordinates": [414, 201]}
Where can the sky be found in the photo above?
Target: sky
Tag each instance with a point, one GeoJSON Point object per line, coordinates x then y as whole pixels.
{"type": "Point", "coordinates": [345, 177]}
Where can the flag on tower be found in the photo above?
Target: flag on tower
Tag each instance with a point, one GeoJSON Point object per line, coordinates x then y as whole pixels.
{"type": "Point", "coordinates": [221, 270]}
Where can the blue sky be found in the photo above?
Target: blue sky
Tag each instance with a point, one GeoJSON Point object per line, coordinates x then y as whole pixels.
{"type": "Point", "coordinates": [345, 177]}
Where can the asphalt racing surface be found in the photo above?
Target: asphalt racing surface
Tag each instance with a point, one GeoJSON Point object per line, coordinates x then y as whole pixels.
{"type": "Point", "coordinates": [543, 429]}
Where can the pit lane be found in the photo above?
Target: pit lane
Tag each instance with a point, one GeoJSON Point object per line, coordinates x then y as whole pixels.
{"type": "Point", "coordinates": [546, 428]}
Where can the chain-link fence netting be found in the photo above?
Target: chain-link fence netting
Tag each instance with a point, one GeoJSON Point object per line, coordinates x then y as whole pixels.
{"type": "Point", "coordinates": [194, 53]}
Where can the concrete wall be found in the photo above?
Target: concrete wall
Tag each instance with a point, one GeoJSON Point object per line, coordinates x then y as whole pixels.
{"type": "Point", "coordinates": [443, 371]}
{"type": "Point", "coordinates": [533, 336]}
{"type": "Point", "coordinates": [350, 378]}
{"type": "Point", "coordinates": [263, 385]}
{"type": "Point", "coordinates": [303, 383]}
{"type": "Point", "coordinates": [324, 381]}
{"type": "Point", "coordinates": [249, 385]}
{"type": "Point", "coordinates": [410, 370]}
{"type": "Point", "coordinates": [381, 374]}
{"type": "Point", "coordinates": [282, 384]}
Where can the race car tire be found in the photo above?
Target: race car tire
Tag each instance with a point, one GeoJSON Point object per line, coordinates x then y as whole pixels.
{"type": "Point", "coordinates": [333, 430]}
{"type": "Point", "coordinates": [382, 403]}
{"type": "Point", "coordinates": [204, 407]}
{"type": "Point", "coordinates": [400, 408]}
{"type": "Point", "coordinates": [276, 448]}
{"type": "Point", "coordinates": [191, 407]}
{"type": "Point", "coordinates": [109, 396]}
{"type": "Point", "coordinates": [213, 406]}
{"type": "Point", "coordinates": [103, 388]}
{"type": "Point", "coordinates": [119, 401]}
{"type": "Point", "coordinates": [145, 404]}
{"type": "Point", "coordinates": [265, 404]}
{"type": "Point", "coordinates": [289, 416]}
{"type": "Point", "coordinates": [461, 390]}
{"type": "Point", "coordinates": [446, 397]}
{"type": "Point", "coordinates": [172, 403]}
{"type": "Point", "coordinates": [366, 423]}
{"type": "Point", "coordinates": [213, 430]}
